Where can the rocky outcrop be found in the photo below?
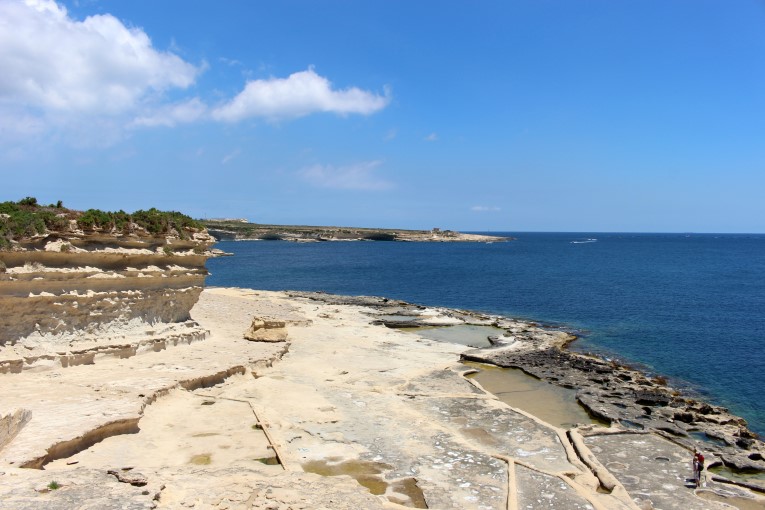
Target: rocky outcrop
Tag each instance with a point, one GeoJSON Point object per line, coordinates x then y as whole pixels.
{"type": "Point", "coordinates": [71, 296]}
{"type": "Point", "coordinates": [266, 329]}
{"type": "Point", "coordinates": [11, 423]}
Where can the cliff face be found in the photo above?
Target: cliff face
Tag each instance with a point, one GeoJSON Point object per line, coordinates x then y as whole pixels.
{"type": "Point", "coordinates": [68, 297]}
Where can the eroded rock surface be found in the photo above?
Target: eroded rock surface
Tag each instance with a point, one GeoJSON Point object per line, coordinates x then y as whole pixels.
{"type": "Point", "coordinates": [628, 398]}
{"type": "Point", "coordinates": [70, 298]}
{"type": "Point", "coordinates": [266, 329]}
{"type": "Point", "coordinates": [346, 415]}
{"type": "Point", "coordinates": [657, 472]}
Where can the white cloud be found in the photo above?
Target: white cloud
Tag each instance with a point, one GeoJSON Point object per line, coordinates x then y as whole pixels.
{"type": "Point", "coordinates": [432, 137]}
{"type": "Point", "coordinates": [83, 82]}
{"type": "Point", "coordinates": [300, 94]}
{"type": "Point", "coordinates": [359, 176]}
{"type": "Point", "coordinates": [53, 63]}
{"type": "Point", "coordinates": [485, 208]}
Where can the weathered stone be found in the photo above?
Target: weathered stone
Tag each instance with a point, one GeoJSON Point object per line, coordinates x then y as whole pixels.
{"type": "Point", "coordinates": [651, 398]}
{"type": "Point", "coordinates": [265, 329]}
{"type": "Point", "coordinates": [127, 475]}
{"type": "Point", "coordinates": [11, 423]}
{"type": "Point", "coordinates": [743, 463]}
{"type": "Point", "coordinates": [655, 471]}
{"type": "Point", "coordinates": [102, 295]}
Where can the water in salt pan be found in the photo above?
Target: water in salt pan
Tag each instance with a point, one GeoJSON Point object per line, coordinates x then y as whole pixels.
{"type": "Point", "coordinates": [553, 404]}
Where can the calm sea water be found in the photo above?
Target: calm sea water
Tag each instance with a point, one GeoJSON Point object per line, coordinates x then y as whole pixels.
{"type": "Point", "coordinates": [691, 307]}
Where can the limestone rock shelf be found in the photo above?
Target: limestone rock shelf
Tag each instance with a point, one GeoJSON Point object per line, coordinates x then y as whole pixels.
{"type": "Point", "coordinates": [69, 297]}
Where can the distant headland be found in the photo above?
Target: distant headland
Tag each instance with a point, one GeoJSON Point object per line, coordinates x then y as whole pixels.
{"type": "Point", "coordinates": [231, 229]}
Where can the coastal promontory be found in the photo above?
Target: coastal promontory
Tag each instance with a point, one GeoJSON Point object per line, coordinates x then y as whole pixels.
{"type": "Point", "coordinates": [242, 230]}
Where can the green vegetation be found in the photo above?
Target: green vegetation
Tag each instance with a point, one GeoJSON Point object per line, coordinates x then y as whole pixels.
{"type": "Point", "coordinates": [27, 218]}
{"type": "Point", "coordinates": [54, 485]}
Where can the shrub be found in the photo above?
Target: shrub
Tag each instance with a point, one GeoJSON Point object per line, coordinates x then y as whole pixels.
{"type": "Point", "coordinates": [95, 218]}
{"type": "Point", "coordinates": [27, 218]}
{"type": "Point", "coordinates": [66, 248]}
{"type": "Point", "coordinates": [54, 485]}
{"type": "Point", "coordinates": [3, 267]}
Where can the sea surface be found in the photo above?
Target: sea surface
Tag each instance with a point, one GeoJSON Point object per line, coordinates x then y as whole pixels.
{"type": "Point", "coordinates": [687, 306]}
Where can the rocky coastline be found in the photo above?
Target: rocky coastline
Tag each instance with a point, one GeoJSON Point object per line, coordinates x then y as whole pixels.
{"type": "Point", "coordinates": [127, 384]}
{"type": "Point", "coordinates": [610, 392]}
{"type": "Point", "coordinates": [309, 400]}
{"type": "Point", "coordinates": [241, 230]}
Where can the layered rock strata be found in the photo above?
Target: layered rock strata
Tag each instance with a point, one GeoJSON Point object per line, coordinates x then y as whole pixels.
{"type": "Point", "coordinates": [69, 297]}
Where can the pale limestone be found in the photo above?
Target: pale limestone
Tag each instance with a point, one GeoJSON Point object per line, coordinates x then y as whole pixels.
{"type": "Point", "coordinates": [197, 426]}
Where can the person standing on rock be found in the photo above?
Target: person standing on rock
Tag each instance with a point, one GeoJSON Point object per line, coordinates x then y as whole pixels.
{"type": "Point", "coordinates": [698, 466]}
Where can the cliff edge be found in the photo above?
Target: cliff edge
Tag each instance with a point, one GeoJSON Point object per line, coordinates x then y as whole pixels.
{"type": "Point", "coordinates": [76, 285]}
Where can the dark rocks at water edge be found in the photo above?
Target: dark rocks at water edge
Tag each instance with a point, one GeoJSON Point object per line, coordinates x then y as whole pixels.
{"type": "Point", "coordinates": [623, 396]}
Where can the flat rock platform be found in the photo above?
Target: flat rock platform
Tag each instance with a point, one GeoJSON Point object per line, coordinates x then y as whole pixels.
{"type": "Point", "coordinates": [346, 414]}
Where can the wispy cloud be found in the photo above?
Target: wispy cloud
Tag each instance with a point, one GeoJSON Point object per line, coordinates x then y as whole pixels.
{"type": "Point", "coordinates": [390, 135]}
{"type": "Point", "coordinates": [432, 137]}
{"type": "Point", "coordinates": [358, 176]}
{"type": "Point", "coordinates": [229, 61]}
{"type": "Point", "coordinates": [230, 156]}
{"type": "Point", "coordinates": [298, 95]}
{"type": "Point", "coordinates": [485, 208]}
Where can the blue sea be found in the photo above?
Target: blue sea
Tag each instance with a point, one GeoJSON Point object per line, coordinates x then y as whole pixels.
{"type": "Point", "coordinates": [687, 306]}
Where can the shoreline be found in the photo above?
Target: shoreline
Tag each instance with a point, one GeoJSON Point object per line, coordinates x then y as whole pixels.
{"type": "Point", "coordinates": [240, 230]}
{"type": "Point", "coordinates": [620, 394]}
{"type": "Point", "coordinates": [330, 408]}
{"type": "Point", "coordinates": [567, 344]}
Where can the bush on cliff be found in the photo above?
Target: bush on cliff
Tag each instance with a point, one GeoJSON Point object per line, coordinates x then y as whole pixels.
{"type": "Point", "coordinates": [26, 218]}
{"type": "Point", "coordinates": [160, 222]}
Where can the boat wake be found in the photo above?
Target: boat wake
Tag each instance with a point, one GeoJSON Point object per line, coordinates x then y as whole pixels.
{"type": "Point", "coordinates": [584, 241]}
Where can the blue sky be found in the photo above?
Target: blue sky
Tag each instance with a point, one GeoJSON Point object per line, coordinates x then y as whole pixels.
{"type": "Point", "coordinates": [476, 115]}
